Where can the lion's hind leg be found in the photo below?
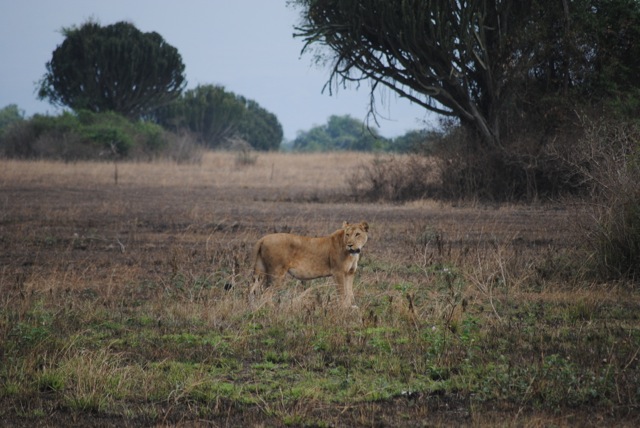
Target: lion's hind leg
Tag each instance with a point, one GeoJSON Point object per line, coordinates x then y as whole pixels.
{"type": "Point", "coordinates": [264, 276]}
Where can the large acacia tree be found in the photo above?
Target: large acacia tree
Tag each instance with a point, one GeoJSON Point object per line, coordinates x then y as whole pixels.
{"type": "Point", "coordinates": [113, 68]}
{"type": "Point", "coordinates": [480, 61]}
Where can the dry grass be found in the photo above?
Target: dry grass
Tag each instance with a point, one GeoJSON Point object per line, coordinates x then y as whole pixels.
{"type": "Point", "coordinates": [126, 305]}
{"type": "Point", "coordinates": [220, 169]}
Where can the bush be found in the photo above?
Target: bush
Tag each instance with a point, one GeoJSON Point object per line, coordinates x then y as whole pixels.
{"type": "Point", "coordinates": [529, 167]}
{"type": "Point", "coordinates": [396, 178]}
{"type": "Point", "coordinates": [449, 166]}
{"type": "Point", "coordinates": [610, 162]}
{"type": "Point", "coordinates": [88, 135]}
{"type": "Point", "coordinates": [45, 137]}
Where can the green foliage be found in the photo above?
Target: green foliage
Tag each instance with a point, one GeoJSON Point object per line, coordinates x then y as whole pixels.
{"type": "Point", "coordinates": [416, 141]}
{"type": "Point", "coordinates": [209, 112]}
{"type": "Point", "coordinates": [108, 134]}
{"type": "Point", "coordinates": [615, 27]}
{"type": "Point", "coordinates": [9, 115]}
{"type": "Point", "coordinates": [340, 133]}
{"type": "Point", "coordinates": [215, 116]}
{"type": "Point", "coordinates": [113, 68]}
{"type": "Point", "coordinates": [85, 135]}
{"type": "Point", "coordinates": [260, 128]}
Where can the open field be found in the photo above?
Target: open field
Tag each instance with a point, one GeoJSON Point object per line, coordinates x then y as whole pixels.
{"type": "Point", "coordinates": [125, 305]}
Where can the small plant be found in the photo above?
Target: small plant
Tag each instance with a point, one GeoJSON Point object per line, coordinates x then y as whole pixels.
{"type": "Point", "coordinates": [395, 178]}
{"type": "Point", "coordinates": [51, 382]}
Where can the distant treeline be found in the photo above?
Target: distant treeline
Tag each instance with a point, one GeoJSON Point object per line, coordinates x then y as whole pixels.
{"type": "Point", "coordinates": [204, 117]}
{"type": "Point", "coordinates": [347, 133]}
{"type": "Point", "coordinates": [124, 96]}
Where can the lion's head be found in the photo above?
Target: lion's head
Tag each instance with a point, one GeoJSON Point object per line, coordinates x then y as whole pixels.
{"type": "Point", "coordinates": [355, 236]}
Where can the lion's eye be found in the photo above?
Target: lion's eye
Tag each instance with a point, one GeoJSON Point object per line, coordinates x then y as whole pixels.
{"type": "Point", "coordinates": [357, 234]}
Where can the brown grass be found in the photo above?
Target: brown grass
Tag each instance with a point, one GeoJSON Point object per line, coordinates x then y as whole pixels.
{"type": "Point", "coordinates": [126, 305]}
{"type": "Point", "coordinates": [283, 171]}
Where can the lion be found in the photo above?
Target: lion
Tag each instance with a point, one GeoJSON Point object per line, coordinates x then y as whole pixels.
{"type": "Point", "coordinates": [306, 258]}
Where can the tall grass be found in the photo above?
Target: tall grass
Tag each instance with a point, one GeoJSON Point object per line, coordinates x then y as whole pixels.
{"type": "Point", "coordinates": [284, 171]}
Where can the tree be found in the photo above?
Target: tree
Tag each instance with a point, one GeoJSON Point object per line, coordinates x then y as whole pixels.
{"type": "Point", "coordinates": [215, 115]}
{"type": "Point", "coordinates": [259, 127]}
{"type": "Point", "coordinates": [210, 112]}
{"type": "Point", "coordinates": [473, 60]}
{"type": "Point", "coordinates": [511, 75]}
{"type": "Point", "coordinates": [616, 66]}
{"type": "Point", "coordinates": [416, 141]}
{"type": "Point", "coordinates": [113, 68]}
{"type": "Point", "coordinates": [9, 115]}
{"type": "Point", "coordinates": [340, 133]}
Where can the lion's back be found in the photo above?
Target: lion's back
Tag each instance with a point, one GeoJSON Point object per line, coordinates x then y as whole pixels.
{"type": "Point", "coordinates": [302, 252]}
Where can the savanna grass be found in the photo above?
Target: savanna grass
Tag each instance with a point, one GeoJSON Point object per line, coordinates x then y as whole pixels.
{"type": "Point", "coordinates": [128, 304]}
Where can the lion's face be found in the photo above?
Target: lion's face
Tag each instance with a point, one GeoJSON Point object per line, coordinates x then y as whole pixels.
{"type": "Point", "coordinates": [355, 236]}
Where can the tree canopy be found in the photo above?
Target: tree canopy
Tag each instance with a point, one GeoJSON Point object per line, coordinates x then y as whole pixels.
{"type": "Point", "coordinates": [9, 115]}
{"type": "Point", "coordinates": [215, 115]}
{"type": "Point", "coordinates": [113, 68]}
{"type": "Point", "coordinates": [209, 112]}
{"type": "Point", "coordinates": [340, 133]}
{"type": "Point", "coordinates": [259, 127]}
{"type": "Point", "coordinates": [483, 62]}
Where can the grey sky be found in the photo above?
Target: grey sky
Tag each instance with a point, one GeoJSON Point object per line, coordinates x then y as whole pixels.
{"type": "Point", "coordinates": [244, 45]}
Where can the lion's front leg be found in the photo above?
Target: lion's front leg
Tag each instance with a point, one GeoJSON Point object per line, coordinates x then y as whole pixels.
{"type": "Point", "coordinates": [344, 285]}
{"type": "Point", "coordinates": [348, 291]}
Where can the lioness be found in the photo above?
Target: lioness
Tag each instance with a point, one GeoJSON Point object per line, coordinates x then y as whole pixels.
{"type": "Point", "coordinates": [306, 258]}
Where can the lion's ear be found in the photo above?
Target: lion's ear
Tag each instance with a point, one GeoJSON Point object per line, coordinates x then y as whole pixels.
{"type": "Point", "coordinates": [345, 224]}
{"type": "Point", "coordinates": [364, 226]}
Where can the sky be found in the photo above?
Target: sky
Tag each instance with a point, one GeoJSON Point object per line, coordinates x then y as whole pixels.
{"type": "Point", "coordinates": [247, 46]}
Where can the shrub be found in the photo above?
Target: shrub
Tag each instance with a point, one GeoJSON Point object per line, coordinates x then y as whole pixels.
{"type": "Point", "coordinates": [395, 178]}
{"type": "Point", "coordinates": [45, 137]}
{"type": "Point", "coordinates": [610, 162]}
{"type": "Point", "coordinates": [449, 166]}
{"type": "Point", "coordinates": [88, 135]}
{"type": "Point", "coordinates": [527, 168]}
{"type": "Point", "coordinates": [181, 148]}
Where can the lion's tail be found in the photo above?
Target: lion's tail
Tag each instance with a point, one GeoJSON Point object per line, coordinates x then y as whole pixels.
{"type": "Point", "coordinates": [258, 271]}
{"type": "Point", "coordinates": [258, 264]}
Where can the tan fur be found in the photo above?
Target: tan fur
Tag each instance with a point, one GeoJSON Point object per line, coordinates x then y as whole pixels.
{"type": "Point", "coordinates": [306, 258]}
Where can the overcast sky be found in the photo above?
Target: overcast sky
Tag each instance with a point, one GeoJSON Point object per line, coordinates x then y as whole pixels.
{"type": "Point", "coordinates": [244, 45]}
